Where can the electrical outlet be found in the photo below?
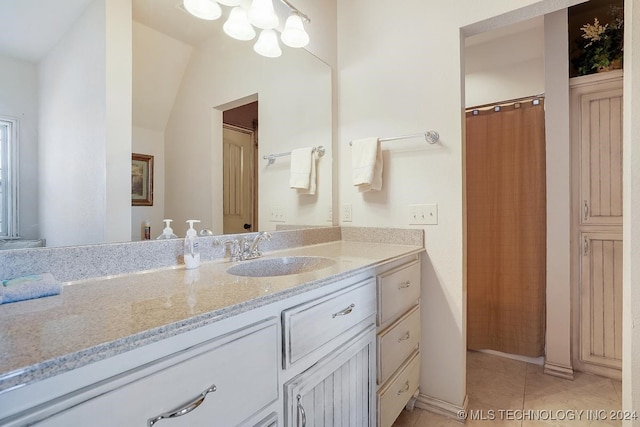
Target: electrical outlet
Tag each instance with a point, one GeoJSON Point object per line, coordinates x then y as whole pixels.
{"type": "Point", "coordinates": [423, 214]}
{"type": "Point", "coordinates": [276, 214]}
{"type": "Point", "coordinates": [346, 213]}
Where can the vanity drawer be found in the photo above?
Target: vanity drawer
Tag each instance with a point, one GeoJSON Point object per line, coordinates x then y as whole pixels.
{"type": "Point", "coordinates": [399, 289]}
{"type": "Point", "coordinates": [397, 342]}
{"type": "Point", "coordinates": [242, 366]}
{"type": "Point", "coordinates": [309, 326]}
{"type": "Point", "coordinates": [394, 397]}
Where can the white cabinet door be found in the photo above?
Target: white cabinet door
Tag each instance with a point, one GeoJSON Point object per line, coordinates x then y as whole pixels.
{"type": "Point", "coordinates": [221, 383]}
{"type": "Point", "coordinates": [601, 299]}
{"type": "Point", "coordinates": [338, 390]}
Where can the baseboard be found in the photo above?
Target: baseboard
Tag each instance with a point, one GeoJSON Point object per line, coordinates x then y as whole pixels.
{"type": "Point", "coordinates": [559, 371]}
{"type": "Point", "coordinates": [441, 407]}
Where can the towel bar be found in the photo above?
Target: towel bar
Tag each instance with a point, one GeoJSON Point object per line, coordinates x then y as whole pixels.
{"type": "Point", "coordinates": [431, 136]}
{"type": "Point", "coordinates": [272, 157]}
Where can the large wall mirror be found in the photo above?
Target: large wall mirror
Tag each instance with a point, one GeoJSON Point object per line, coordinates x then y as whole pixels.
{"type": "Point", "coordinates": [102, 79]}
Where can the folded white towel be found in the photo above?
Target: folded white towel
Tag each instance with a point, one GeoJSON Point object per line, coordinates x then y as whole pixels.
{"type": "Point", "coordinates": [303, 170]}
{"type": "Point", "coordinates": [366, 161]}
{"type": "Point", "coordinates": [29, 287]}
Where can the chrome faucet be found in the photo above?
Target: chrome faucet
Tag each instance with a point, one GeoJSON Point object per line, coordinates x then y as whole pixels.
{"type": "Point", "coordinates": [243, 249]}
{"type": "Point", "coordinates": [253, 251]}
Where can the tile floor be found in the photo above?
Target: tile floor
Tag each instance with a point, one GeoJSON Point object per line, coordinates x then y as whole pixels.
{"type": "Point", "coordinates": [512, 392]}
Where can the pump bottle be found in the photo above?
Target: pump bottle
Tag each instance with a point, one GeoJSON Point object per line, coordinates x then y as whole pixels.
{"type": "Point", "coordinates": [191, 250]}
{"type": "Point", "coordinates": [167, 233]}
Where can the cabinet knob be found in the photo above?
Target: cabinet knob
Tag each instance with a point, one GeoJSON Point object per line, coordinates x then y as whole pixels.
{"type": "Point", "coordinates": [184, 410]}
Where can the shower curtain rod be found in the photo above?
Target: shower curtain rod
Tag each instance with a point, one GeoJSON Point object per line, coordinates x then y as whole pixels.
{"type": "Point", "coordinates": [504, 103]}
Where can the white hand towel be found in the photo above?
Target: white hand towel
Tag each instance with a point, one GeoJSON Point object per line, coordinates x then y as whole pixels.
{"type": "Point", "coordinates": [302, 170]}
{"type": "Point", "coordinates": [366, 161]}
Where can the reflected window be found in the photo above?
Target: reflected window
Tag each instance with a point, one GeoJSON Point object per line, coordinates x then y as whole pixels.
{"type": "Point", "coordinates": [8, 178]}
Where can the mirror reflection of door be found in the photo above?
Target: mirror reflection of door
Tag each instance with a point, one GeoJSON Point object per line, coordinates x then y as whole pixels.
{"type": "Point", "coordinates": [239, 186]}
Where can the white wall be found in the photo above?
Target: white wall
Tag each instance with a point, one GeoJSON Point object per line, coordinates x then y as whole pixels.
{"type": "Point", "coordinates": [558, 153]}
{"type": "Point", "coordinates": [85, 130]}
{"type": "Point", "coordinates": [386, 90]}
{"type": "Point", "coordinates": [631, 209]}
{"type": "Point", "coordinates": [507, 67]}
{"type": "Point", "coordinates": [118, 119]}
{"type": "Point", "coordinates": [150, 142]}
{"type": "Point", "coordinates": [293, 92]}
{"type": "Point", "coordinates": [155, 85]}
{"type": "Point", "coordinates": [19, 100]}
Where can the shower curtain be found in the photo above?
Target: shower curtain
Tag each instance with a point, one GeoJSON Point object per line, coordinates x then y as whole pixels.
{"type": "Point", "coordinates": [506, 228]}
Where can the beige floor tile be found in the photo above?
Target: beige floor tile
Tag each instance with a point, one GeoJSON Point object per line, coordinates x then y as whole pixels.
{"type": "Point", "coordinates": [407, 418]}
{"type": "Point", "coordinates": [429, 419]}
{"type": "Point", "coordinates": [510, 393]}
{"type": "Point", "coordinates": [551, 398]}
{"type": "Point", "coordinates": [495, 382]}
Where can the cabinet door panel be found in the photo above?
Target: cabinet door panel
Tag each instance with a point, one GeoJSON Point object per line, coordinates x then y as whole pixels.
{"type": "Point", "coordinates": [243, 370]}
{"type": "Point", "coordinates": [601, 157]}
{"type": "Point", "coordinates": [399, 290]}
{"type": "Point", "coordinates": [338, 391]}
{"type": "Point", "coordinates": [393, 397]}
{"type": "Point", "coordinates": [310, 326]}
{"type": "Point", "coordinates": [396, 343]}
{"type": "Point", "coordinates": [601, 299]}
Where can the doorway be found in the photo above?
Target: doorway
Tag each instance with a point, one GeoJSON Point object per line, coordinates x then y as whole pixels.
{"type": "Point", "coordinates": [240, 177]}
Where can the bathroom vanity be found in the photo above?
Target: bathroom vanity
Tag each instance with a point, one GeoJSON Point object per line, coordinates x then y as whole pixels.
{"type": "Point", "coordinates": [337, 345]}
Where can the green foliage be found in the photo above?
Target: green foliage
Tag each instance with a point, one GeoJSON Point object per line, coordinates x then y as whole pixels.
{"type": "Point", "coordinates": [601, 46]}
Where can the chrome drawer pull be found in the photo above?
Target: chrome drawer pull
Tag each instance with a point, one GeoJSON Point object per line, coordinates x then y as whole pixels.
{"type": "Point", "coordinates": [302, 417]}
{"type": "Point", "coordinates": [343, 312]}
{"type": "Point", "coordinates": [404, 389]}
{"type": "Point", "coordinates": [404, 285]}
{"type": "Point", "coordinates": [188, 407]}
{"type": "Point", "coordinates": [405, 337]}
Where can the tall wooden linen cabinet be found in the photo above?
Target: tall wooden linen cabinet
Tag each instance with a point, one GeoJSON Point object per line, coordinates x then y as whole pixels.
{"type": "Point", "coordinates": [596, 152]}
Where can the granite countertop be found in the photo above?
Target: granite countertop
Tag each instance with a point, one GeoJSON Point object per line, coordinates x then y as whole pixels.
{"type": "Point", "coordinates": [97, 318]}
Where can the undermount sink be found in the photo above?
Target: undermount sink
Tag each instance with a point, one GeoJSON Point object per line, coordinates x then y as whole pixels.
{"type": "Point", "coordinates": [280, 266]}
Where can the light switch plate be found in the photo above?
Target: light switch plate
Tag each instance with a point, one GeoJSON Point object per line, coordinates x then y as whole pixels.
{"type": "Point", "coordinates": [426, 214]}
{"type": "Point", "coordinates": [346, 213]}
{"type": "Point", "coordinates": [276, 214]}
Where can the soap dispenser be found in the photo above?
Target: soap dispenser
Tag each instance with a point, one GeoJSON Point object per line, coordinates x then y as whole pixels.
{"type": "Point", "coordinates": [191, 251]}
{"type": "Point", "coordinates": [167, 233]}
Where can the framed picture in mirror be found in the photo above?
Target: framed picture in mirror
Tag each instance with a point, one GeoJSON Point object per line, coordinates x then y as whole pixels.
{"type": "Point", "coordinates": [141, 180]}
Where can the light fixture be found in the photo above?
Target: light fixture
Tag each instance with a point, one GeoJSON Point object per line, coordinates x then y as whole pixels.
{"type": "Point", "coordinates": [267, 44]}
{"type": "Point", "coordinates": [203, 9]}
{"type": "Point", "coordinates": [293, 34]}
{"type": "Point", "coordinates": [238, 26]}
{"type": "Point", "coordinates": [262, 15]}
{"type": "Point", "coordinates": [230, 2]}
{"type": "Point", "coordinates": [247, 14]}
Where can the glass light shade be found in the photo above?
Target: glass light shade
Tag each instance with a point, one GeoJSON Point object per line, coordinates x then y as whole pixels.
{"type": "Point", "coordinates": [238, 26]}
{"type": "Point", "coordinates": [294, 34]}
{"type": "Point", "coordinates": [267, 44]}
{"type": "Point", "coordinates": [203, 9]}
{"type": "Point", "coordinates": [230, 2]}
{"type": "Point", "coordinates": [262, 15]}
